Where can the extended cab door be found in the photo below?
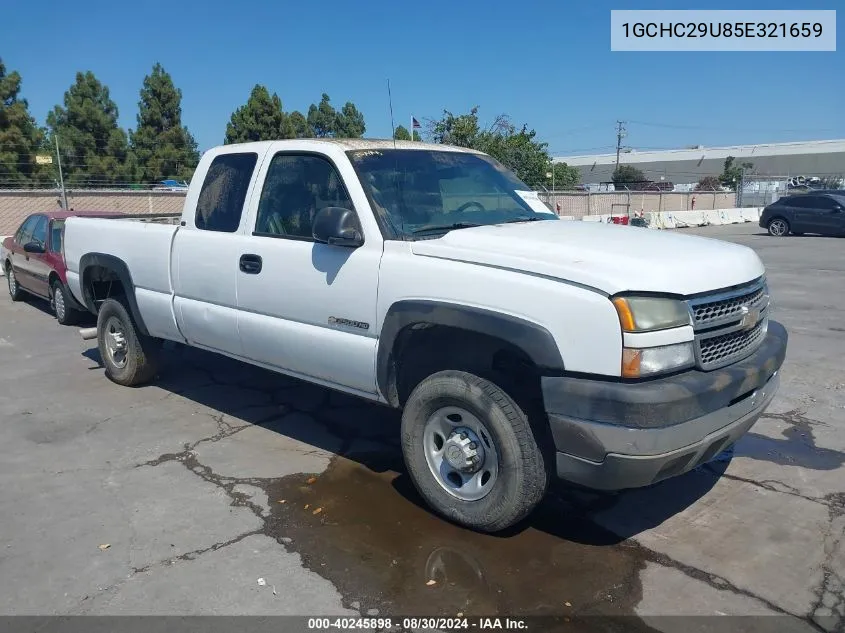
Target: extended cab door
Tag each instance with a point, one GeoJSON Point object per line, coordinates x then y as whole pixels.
{"type": "Point", "coordinates": [305, 307]}
{"type": "Point", "coordinates": [206, 250]}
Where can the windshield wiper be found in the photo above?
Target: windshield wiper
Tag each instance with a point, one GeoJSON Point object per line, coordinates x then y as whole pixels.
{"type": "Point", "coordinates": [525, 219]}
{"type": "Point", "coordinates": [444, 227]}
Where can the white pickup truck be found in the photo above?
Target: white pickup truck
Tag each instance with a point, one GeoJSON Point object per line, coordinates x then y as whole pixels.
{"type": "Point", "coordinates": [429, 278]}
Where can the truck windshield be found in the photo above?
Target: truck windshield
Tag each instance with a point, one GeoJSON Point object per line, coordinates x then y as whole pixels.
{"type": "Point", "coordinates": [422, 193]}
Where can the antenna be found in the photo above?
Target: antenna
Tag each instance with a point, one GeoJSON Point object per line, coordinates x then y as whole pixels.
{"type": "Point", "coordinates": [392, 126]}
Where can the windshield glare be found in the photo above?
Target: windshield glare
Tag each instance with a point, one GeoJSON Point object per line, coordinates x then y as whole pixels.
{"type": "Point", "coordinates": [417, 190]}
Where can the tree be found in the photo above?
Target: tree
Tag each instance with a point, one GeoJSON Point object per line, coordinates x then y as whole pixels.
{"type": "Point", "coordinates": [709, 183]}
{"type": "Point", "coordinates": [401, 133]}
{"type": "Point", "coordinates": [350, 122]}
{"type": "Point", "coordinates": [93, 147]}
{"type": "Point", "coordinates": [299, 124]}
{"type": "Point", "coordinates": [161, 146]}
{"type": "Point", "coordinates": [325, 121]}
{"type": "Point", "coordinates": [565, 177]}
{"type": "Point", "coordinates": [627, 174]}
{"type": "Point", "coordinates": [260, 119]}
{"type": "Point", "coordinates": [516, 148]}
{"type": "Point", "coordinates": [322, 118]}
{"type": "Point", "coordinates": [20, 137]}
{"type": "Point", "coordinates": [732, 174]}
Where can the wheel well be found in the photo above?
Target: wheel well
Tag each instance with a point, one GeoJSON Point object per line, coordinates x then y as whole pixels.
{"type": "Point", "coordinates": [52, 278]}
{"type": "Point", "coordinates": [423, 349]}
{"type": "Point", "coordinates": [100, 283]}
{"type": "Point", "coordinates": [7, 265]}
{"type": "Point", "coordinates": [778, 217]}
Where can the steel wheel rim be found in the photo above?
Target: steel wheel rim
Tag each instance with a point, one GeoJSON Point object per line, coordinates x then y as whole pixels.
{"type": "Point", "coordinates": [778, 227]}
{"type": "Point", "coordinates": [13, 283]}
{"type": "Point", "coordinates": [115, 341]}
{"type": "Point", "coordinates": [441, 438]}
{"type": "Point", "coordinates": [58, 303]}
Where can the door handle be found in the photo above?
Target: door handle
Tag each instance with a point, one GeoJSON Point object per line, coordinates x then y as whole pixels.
{"type": "Point", "coordinates": [250, 264]}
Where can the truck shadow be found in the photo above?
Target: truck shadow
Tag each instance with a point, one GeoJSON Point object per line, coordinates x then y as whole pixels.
{"type": "Point", "coordinates": [367, 434]}
{"type": "Point", "coordinates": [361, 524]}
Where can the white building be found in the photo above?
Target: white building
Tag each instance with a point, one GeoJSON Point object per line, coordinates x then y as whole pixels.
{"type": "Point", "coordinates": [799, 161]}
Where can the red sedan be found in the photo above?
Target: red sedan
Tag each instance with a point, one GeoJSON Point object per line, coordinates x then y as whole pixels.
{"type": "Point", "coordinates": [34, 263]}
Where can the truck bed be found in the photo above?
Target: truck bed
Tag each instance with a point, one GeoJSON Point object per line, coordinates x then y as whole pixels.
{"type": "Point", "coordinates": [143, 243]}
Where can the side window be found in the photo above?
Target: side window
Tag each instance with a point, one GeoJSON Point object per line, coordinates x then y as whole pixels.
{"type": "Point", "coordinates": [296, 187]}
{"type": "Point", "coordinates": [805, 202]}
{"type": "Point", "coordinates": [24, 233]}
{"type": "Point", "coordinates": [826, 204]}
{"type": "Point", "coordinates": [221, 199]}
{"type": "Point", "coordinates": [39, 231]}
{"type": "Point", "coordinates": [57, 231]}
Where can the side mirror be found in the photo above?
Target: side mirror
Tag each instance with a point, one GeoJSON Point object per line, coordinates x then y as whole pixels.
{"type": "Point", "coordinates": [33, 247]}
{"type": "Point", "coordinates": [337, 226]}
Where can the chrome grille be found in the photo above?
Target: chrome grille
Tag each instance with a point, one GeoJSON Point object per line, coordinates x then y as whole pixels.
{"type": "Point", "coordinates": [721, 350]}
{"type": "Point", "coordinates": [729, 325]}
{"type": "Point", "coordinates": [722, 309]}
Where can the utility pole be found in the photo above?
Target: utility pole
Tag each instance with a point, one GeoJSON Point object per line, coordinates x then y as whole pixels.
{"type": "Point", "coordinates": [61, 176]}
{"type": "Point", "coordinates": [621, 133]}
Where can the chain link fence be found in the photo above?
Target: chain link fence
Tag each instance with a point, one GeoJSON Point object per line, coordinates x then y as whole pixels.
{"type": "Point", "coordinates": [16, 204]}
{"type": "Point", "coordinates": [758, 190]}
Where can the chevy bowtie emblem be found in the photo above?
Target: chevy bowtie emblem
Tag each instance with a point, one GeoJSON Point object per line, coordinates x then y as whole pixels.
{"type": "Point", "coordinates": [750, 318]}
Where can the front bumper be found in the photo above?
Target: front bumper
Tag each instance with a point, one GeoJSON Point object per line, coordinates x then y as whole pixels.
{"type": "Point", "coordinates": [616, 435]}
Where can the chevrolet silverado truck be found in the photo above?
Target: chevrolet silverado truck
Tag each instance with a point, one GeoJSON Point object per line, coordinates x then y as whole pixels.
{"type": "Point", "coordinates": [429, 278]}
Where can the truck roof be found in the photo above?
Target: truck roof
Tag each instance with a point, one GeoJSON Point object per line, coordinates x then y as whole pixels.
{"type": "Point", "coordinates": [360, 143]}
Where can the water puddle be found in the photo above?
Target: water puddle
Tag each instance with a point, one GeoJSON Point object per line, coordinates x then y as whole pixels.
{"type": "Point", "coordinates": [366, 532]}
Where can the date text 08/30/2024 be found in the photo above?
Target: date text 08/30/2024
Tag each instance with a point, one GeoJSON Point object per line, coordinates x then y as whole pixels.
{"type": "Point", "coordinates": [418, 624]}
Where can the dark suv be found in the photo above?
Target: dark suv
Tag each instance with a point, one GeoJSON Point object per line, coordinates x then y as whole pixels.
{"type": "Point", "coordinates": [822, 213]}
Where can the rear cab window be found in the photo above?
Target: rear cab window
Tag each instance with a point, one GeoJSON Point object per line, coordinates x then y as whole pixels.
{"type": "Point", "coordinates": [223, 193]}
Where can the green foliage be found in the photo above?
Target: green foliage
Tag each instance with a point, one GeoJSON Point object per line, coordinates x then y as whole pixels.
{"type": "Point", "coordinates": [565, 177]}
{"type": "Point", "coordinates": [709, 183]}
{"type": "Point", "coordinates": [161, 147]}
{"type": "Point", "coordinates": [260, 119]}
{"type": "Point", "coordinates": [516, 148]}
{"type": "Point", "coordinates": [93, 148]}
{"type": "Point", "coordinates": [627, 174]}
{"type": "Point", "coordinates": [322, 118]}
{"type": "Point", "coordinates": [20, 137]}
{"type": "Point", "coordinates": [402, 134]}
{"type": "Point", "coordinates": [732, 174]}
{"type": "Point", "coordinates": [299, 124]}
{"type": "Point", "coordinates": [326, 122]}
{"type": "Point", "coordinates": [350, 122]}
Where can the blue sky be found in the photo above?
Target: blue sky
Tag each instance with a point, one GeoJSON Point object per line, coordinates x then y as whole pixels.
{"type": "Point", "coordinates": [545, 63]}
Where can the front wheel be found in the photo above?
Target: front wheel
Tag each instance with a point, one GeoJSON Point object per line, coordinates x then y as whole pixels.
{"type": "Point", "coordinates": [471, 453]}
{"type": "Point", "coordinates": [778, 227]}
{"type": "Point", "coordinates": [60, 303]}
{"type": "Point", "coordinates": [129, 356]}
{"type": "Point", "coordinates": [15, 291]}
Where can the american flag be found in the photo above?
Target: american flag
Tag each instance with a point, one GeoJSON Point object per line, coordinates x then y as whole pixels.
{"type": "Point", "coordinates": [415, 124]}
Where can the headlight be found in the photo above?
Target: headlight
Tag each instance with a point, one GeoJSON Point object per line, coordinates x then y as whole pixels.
{"type": "Point", "coordinates": [647, 361]}
{"type": "Point", "coordinates": [645, 314]}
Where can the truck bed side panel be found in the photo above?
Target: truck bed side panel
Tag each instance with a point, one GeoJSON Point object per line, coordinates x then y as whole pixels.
{"type": "Point", "coordinates": [144, 248]}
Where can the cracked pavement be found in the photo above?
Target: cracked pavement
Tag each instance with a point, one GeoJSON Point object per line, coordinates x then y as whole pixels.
{"type": "Point", "coordinates": [219, 474]}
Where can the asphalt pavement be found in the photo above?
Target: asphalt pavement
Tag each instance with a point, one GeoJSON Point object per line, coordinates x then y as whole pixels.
{"type": "Point", "coordinates": [226, 489]}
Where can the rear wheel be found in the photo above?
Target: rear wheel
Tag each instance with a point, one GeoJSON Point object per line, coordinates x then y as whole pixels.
{"type": "Point", "coordinates": [470, 451]}
{"type": "Point", "coordinates": [14, 288]}
{"type": "Point", "coordinates": [129, 357]}
{"type": "Point", "coordinates": [60, 302]}
{"type": "Point", "coordinates": [778, 227]}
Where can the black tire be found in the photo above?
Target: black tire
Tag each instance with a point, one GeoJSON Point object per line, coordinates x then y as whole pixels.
{"type": "Point", "coordinates": [15, 291]}
{"type": "Point", "coordinates": [60, 301]}
{"type": "Point", "coordinates": [522, 479]}
{"type": "Point", "coordinates": [778, 227]}
{"type": "Point", "coordinates": [140, 353]}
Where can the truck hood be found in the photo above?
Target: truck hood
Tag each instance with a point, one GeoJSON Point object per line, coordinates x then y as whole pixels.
{"type": "Point", "coordinates": [611, 258]}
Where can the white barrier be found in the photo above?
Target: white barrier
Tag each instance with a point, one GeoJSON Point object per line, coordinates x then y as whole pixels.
{"type": "Point", "coordinates": [682, 219]}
